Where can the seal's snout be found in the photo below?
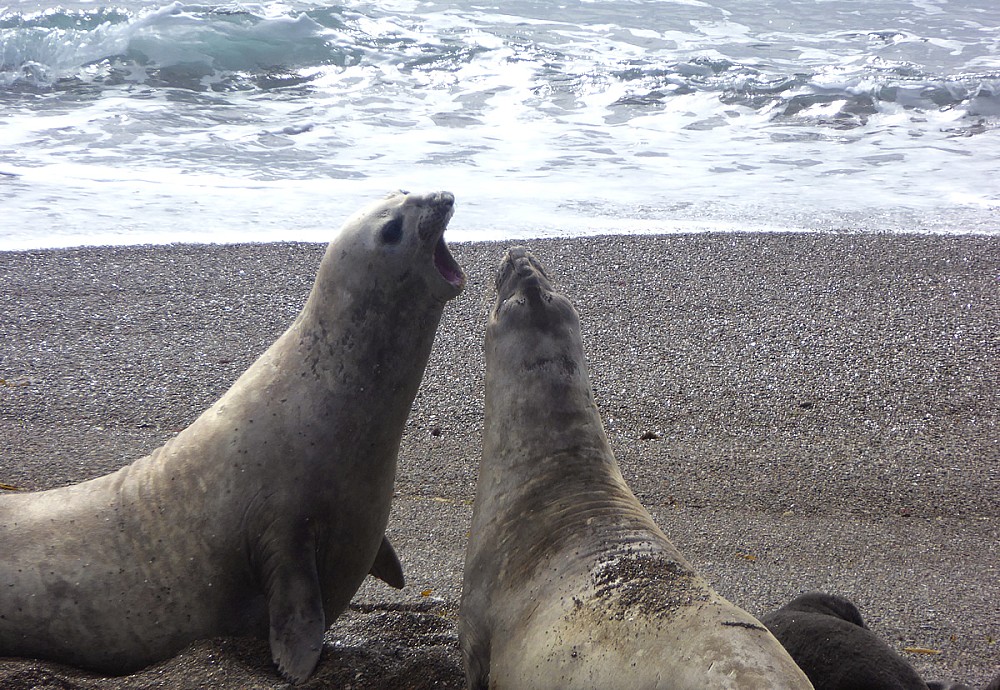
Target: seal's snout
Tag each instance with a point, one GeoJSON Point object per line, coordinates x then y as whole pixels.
{"type": "Point", "coordinates": [521, 271]}
{"type": "Point", "coordinates": [435, 211]}
{"type": "Point", "coordinates": [442, 201]}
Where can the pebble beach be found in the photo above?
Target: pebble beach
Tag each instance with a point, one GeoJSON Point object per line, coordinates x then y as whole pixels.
{"type": "Point", "coordinates": [798, 411]}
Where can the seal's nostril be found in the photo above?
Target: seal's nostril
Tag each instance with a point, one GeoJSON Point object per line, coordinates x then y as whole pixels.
{"type": "Point", "coordinates": [524, 266]}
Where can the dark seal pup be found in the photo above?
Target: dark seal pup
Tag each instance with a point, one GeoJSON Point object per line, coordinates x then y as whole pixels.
{"type": "Point", "coordinates": [263, 517]}
{"type": "Point", "coordinates": [828, 639]}
{"type": "Point", "coordinates": [568, 581]}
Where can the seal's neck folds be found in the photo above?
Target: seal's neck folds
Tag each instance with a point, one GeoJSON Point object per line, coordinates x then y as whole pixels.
{"type": "Point", "coordinates": [536, 377]}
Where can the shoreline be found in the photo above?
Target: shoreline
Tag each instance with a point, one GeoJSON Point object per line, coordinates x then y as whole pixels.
{"type": "Point", "coordinates": [825, 408]}
{"type": "Point", "coordinates": [702, 220]}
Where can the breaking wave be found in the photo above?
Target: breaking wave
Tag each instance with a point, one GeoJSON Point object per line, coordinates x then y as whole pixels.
{"type": "Point", "coordinates": [201, 47]}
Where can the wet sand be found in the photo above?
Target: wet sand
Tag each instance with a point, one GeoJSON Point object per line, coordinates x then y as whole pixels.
{"type": "Point", "coordinates": [797, 411]}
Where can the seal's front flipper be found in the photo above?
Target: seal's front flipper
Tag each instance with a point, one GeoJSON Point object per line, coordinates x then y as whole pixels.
{"type": "Point", "coordinates": [295, 605]}
{"type": "Point", "coordinates": [386, 566]}
{"type": "Point", "coordinates": [475, 647]}
{"type": "Point", "coordinates": [477, 670]}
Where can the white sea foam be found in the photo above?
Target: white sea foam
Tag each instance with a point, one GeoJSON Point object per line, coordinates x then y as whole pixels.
{"type": "Point", "coordinates": [274, 120]}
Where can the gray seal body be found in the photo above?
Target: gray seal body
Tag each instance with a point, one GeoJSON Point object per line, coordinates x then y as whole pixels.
{"type": "Point", "coordinates": [264, 515]}
{"type": "Point", "coordinates": [568, 582]}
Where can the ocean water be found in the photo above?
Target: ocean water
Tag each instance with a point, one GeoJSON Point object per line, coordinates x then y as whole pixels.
{"type": "Point", "coordinates": [145, 122]}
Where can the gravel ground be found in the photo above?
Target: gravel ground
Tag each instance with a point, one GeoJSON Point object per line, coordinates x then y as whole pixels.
{"type": "Point", "coordinates": [798, 412]}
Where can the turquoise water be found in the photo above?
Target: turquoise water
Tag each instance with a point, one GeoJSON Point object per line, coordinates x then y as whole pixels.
{"type": "Point", "coordinates": [144, 122]}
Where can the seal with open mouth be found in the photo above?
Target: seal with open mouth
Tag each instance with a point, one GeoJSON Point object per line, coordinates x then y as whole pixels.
{"type": "Point", "coordinates": [265, 514]}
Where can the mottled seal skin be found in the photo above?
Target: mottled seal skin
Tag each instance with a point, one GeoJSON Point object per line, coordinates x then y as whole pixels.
{"type": "Point", "coordinates": [568, 582]}
{"type": "Point", "coordinates": [829, 640]}
{"type": "Point", "coordinates": [263, 517]}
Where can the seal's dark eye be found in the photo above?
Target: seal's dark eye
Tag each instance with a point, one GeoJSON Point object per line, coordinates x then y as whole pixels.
{"type": "Point", "coordinates": [392, 232]}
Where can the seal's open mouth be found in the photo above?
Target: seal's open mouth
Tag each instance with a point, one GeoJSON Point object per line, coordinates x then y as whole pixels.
{"type": "Point", "coordinates": [446, 264]}
{"type": "Point", "coordinates": [437, 209]}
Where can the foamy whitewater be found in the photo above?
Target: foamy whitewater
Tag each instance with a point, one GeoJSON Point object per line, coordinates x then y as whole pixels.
{"type": "Point", "coordinates": [142, 122]}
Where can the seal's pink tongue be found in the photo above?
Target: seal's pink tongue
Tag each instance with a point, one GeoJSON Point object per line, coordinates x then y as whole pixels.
{"type": "Point", "coordinates": [446, 265]}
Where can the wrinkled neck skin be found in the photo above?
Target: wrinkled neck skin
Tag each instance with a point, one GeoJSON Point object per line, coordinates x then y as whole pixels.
{"type": "Point", "coordinates": [539, 405]}
{"type": "Point", "coordinates": [549, 482]}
